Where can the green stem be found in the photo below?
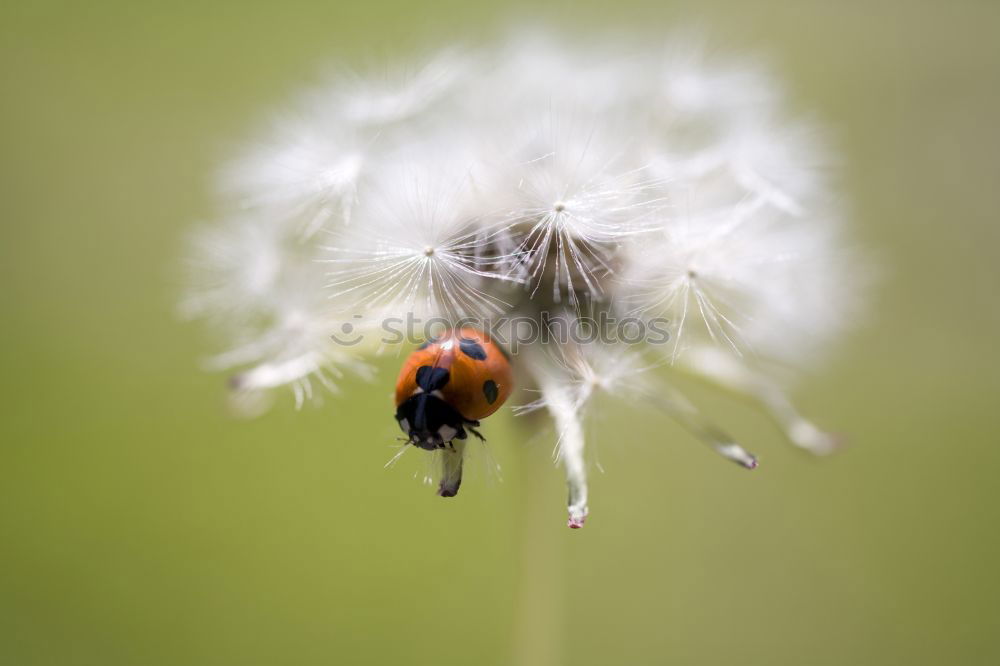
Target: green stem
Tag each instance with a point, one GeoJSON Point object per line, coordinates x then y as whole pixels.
{"type": "Point", "coordinates": [540, 604]}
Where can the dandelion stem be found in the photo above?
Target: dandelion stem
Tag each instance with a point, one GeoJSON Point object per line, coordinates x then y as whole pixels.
{"type": "Point", "coordinates": [540, 604]}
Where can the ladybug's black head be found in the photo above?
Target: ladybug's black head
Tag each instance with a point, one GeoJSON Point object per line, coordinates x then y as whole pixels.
{"type": "Point", "coordinates": [430, 422]}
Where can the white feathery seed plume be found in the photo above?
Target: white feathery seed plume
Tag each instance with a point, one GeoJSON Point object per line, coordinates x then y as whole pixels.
{"type": "Point", "coordinates": [661, 186]}
{"type": "Point", "coordinates": [424, 255]}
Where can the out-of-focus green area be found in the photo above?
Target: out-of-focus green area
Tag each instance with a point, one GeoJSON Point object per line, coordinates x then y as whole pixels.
{"type": "Point", "coordinates": [140, 525]}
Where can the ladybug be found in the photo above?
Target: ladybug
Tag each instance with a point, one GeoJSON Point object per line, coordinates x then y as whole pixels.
{"type": "Point", "coordinates": [448, 384]}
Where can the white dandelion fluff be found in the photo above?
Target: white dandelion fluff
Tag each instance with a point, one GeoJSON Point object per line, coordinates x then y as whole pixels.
{"type": "Point", "coordinates": [575, 195]}
{"type": "Point", "coordinates": [417, 248]}
{"type": "Point", "coordinates": [302, 173]}
{"type": "Point", "coordinates": [662, 192]}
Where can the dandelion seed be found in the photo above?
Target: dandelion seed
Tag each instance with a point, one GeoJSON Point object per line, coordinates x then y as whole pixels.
{"type": "Point", "coordinates": [574, 199]}
{"type": "Point", "coordinates": [302, 174]}
{"type": "Point", "coordinates": [415, 251]}
{"type": "Point", "coordinates": [572, 376]}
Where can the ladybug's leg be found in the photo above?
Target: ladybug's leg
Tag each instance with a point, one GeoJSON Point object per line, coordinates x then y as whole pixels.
{"type": "Point", "coordinates": [474, 431]}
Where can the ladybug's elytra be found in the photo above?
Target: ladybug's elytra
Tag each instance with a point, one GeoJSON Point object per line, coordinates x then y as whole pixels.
{"type": "Point", "coordinates": [448, 384]}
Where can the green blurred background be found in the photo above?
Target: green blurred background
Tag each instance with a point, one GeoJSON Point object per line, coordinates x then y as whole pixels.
{"type": "Point", "coordinates": [140, 525]}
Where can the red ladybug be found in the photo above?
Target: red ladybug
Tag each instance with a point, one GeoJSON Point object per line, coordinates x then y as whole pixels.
{"type": "Point", "coordinates": [448, 384]}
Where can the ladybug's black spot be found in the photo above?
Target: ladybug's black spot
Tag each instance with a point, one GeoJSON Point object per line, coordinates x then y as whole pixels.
{"type": "Point", "coordinates": [472, 349]}
{"type": "Point", "coordinates": [491, 391]}
{"type": "Point", "coordinates": [430, 378]}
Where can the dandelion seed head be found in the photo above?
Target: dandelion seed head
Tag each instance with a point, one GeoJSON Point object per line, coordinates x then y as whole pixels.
{"type": "Point", "coordinates": [540, 175]}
